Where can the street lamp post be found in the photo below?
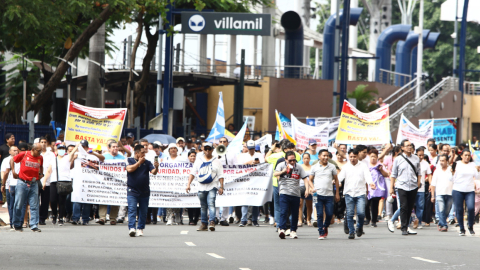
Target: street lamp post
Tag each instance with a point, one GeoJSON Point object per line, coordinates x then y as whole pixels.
{"type": "Point", "coordinates": [102, 81]}
{"type": "Point", "coordinates": [69, 75]}
{"type": "Point", "coordinates": [24, 76]}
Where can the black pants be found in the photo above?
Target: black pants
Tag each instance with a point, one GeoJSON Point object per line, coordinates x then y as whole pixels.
{"type": "Point", "coordinates": [57, 201]}
{"type": "Point", "coordinates": [44, 203]}
{"type": "Point", "coordinates": [238, 212]}
{"type": "Point", "coordinates": [152, 214]}
{"type": "Point", "coordinates": [407, 202]}
{"type": "Point", "coordinates": [373, 203]}
{"type": "Point", "coordinates": [193, 214]}
{"type": "Point", "coordinates": [428, 210]}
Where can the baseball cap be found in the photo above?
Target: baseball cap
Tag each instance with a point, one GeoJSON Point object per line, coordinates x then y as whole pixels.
{"type": "Point", "coordinates": [257, 147]}
{"type": "Point", "coordinates": [312, 142]}
{"type": "Point", "coordinates": [189, 140]}
{"type": "Point", "coordinates": [250, 144]}
{"type": "Point", "coordinates": [84, 143]}
{"type": "Point", "coordinates": [61, 146]}
{"type": "Point", "coordinates": [130, 135]}
{"type": "Point", "coordinates": [180, 139]}
{"type": "Point", "coordinates": [37, 140]}
{"type": "Point", "coordinates": [202, 136]}
{"type": "Point", "coordinates": [208, 144]}
{"type": "Point", "coordinates": [198, 142]}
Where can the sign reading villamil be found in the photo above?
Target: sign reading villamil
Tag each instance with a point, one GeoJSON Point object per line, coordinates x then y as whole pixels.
{"type": "Point", "coordinates": [223, 23]}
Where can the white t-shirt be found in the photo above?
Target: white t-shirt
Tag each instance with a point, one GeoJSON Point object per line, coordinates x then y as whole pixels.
{"type": "Point", "coordinates": [323, 176]}
{"type": "Point", "coordinates": [64, 169]}
{"type": "Point", "coordinates": [48, 159]}
{"type": "Point", "coordinates": [424, 169]}
{"type": "Point", "coordinates": [217, 171]}
{"type": "Point", "coordinates": [442, 181]}
{"type": "Point", "coordinates": [176, 160]}
{"type": "Point", "coordinates": [464, 177]}
{"type": "Point", "coordinates": [246, 157]}
{"type": "Point", "coordinates": [6, 165]}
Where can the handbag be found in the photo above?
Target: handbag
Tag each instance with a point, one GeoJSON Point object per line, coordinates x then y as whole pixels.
{"type": "Point", "coordinates": [65, 187]}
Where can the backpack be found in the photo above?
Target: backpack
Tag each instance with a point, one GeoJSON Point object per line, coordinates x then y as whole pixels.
{"type": "Point", "coordinates": [205, 175]}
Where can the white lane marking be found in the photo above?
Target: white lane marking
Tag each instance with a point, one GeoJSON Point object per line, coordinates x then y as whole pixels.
{"type": "Point", "coordinates": [191, 244]}
{"type": "Point", "coordinates": [425, 260]}
{"type": "Point", "coordinates": [215, 256]}
{"type": "Point", "coordinates": [184, 232]}
{"type": "Point", "coordinates": [244, 268]}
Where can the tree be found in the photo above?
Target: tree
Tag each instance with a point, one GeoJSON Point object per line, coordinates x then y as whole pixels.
{"type": "Point", "coordinates": [364, 98]}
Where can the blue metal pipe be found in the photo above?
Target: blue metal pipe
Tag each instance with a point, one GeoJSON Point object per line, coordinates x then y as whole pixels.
{"type": "Point", "coordinates": [292, 23]}
{"type": "Point", "coordinates": [429, 44]}
{"type": "Point", "coordinates": [384, 47]}
{"type": "Point", "coordinates": [403, 52]}
{"type": "Point", "coordinates": [463, 41]}
{"type": "Point", "coordinates": [328, 57]}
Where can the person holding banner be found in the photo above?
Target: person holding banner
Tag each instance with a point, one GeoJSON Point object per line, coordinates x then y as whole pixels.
{"type": "Point", "coordinates": [320, 182]}
{"type": "Point", "coordinates": [406, 177]}
{"type": "Point", "coordinates": [210, 175]}
{"type": "Point", "coordinates": [356, 176]}
{"type": "Point", "coordinates": [193, 213]}
{"type": "Point", "coordinates": [138, 189]}
{"type": "Point", "coordinates": [174, 214]}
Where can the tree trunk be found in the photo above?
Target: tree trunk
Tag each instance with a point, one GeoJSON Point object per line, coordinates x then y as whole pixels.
{"type": "Point", "coordinates": [97, 54]}
{"type": "Point", "coordinates": [42, 98]}
{"type": "Point", "coordinates": [141, 85]}
{"type": "Point", "coordinates": [132, 61]}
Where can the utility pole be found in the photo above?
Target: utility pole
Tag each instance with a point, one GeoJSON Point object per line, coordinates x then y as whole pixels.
{"type": "Point", "coordinates": [345, 34]}
{"type": "Point", "coordinates": [420, 52]}
{"type": "Point", "coordinates": [336, 54]}
{"type": "Point", "coordinates": [455, 43]}
{"type": "Point", "coordinates": [158, 104]}
{"type": "Point", "coordinates": [239, 95]}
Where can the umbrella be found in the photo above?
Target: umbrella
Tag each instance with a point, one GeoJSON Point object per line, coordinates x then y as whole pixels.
{"type": "Point", "coordinates": [163, 138]}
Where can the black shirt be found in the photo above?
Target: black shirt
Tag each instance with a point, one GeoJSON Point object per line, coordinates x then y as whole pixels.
{"type": "Point", "coordinates": [138, 182]}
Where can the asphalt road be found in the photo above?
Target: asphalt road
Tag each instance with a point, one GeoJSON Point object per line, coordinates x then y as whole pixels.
{"type": "Point", "coordinates": [182, 247]}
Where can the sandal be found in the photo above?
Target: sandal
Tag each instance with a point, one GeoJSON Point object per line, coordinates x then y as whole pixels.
{"type": "Point", "coordinates": [309, 223]}
{"type": "Point", "coordinates": [24, 225]}
{"type": "Point", "coordinates": [299, 224]}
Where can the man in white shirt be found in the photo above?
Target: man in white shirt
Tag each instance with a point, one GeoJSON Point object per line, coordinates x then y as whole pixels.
{"type": "Point", "coordinates": [441, 189]}
{"type": "Point", "coordinates": [356, 175]}
{"type": "Point", "coordinates": [227, 159]}
{"type": "Point", "coordinates": [322, 174]}
{"type": "Point", "coordinates": [250, 158]}
{"type": "Point", "coordinates": [8, 182]}
{"type": "Point", "coordinates": [48, 160]}
{"type": "Point", "coordinates": [426, 174]}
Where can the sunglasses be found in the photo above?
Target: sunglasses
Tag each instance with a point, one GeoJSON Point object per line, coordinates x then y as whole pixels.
{"type": "Point", "coordinates": [292, 160]}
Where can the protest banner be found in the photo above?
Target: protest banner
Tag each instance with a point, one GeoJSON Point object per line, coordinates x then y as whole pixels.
{"type": "Point", "coordinates": [264, 142]}
{"type": "Point", "coordinates": [285, 126]}
{"type": "Point", "coordinates": [417, 136]}
{"type": "Point", "coordinates": [303, 133]}
{"type": "Point", "coordinates": [356, 127]}
{"type": "Point", "coordinates": [332, 127]}
{"type": "Point", "coordinates": [96, 125]}
{"type": "Point", "coordinates": [475, 153]}
{"type": "Point", "coordinates": [105, 183]}
{"type": "Point", "coordinates": [444, 130]}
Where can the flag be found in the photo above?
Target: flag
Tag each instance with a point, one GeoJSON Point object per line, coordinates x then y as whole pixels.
{"type": "Point", "coordinates": [475, 154]}
{"type": "Point", "coordinates": [286, 126]}
{"type": "Point", "coordinates": [281, 131]}
{"type": "Point", "coordinates": [229, 135]}
{"type": "Point", "coordinates": [218, 129]}
{"type": "Point", "coordinates": [236, 145]}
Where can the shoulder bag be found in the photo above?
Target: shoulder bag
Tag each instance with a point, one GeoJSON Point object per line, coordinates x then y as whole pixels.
{"type": "Point", "coordinates": [409, 162]}
{"type": "Point", "coordinates": [64, 187]}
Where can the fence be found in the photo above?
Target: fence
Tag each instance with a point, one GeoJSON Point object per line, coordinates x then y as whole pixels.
{"type": "Point", "coordinates": [393, 78]}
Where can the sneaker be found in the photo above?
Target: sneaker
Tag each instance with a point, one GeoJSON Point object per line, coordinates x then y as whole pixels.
{"type": "Point", "coordinates": [420, 227]}
{"type": "Point", "coordinates": [321, 237]}
{"type": "Point", "coordinates": [237, 221]}
{"type": "Point", "coordinates": [54, 221]}
{"type": "Point", "coordinates": [404, 232]}
{"type": "Point", "coordinates": [224, 223]}
{"type": "Point", "coordinates": [140, 232]}
{"type": "Point", "coordinates": [85, 223]}
{"type": "Point", "coordinates": [451, 222]}
{"type": "Point", "coordinates": [462, 233]}
{"type": "Point", "coordinates": [169, 222]}
{"type": "Point", "coordinates": [345, 227]}
{"type": "Point", "coordinates": [101, 222]}
{"type": "Point", "coordinates": [410, 231]}
{"type": "Point", "coordinates": [471, 231]}
{"type": "Point", "coordinates": [351, 236]}
{"type": "Point", "coordinates": [281, 234]}
{"type": "Point", "coordinates": [272, 221]}
{"type": "Point", "coordinates": [267, 220]}
{"type": "Point", "coordinates": [211, 226]}
{"type": "Point", "coordinates": [107, 217]}
{"type": "Point", "coordinates": [132, 232]}
{"type": "Point", "coordinates": [255, 223]}
{"type": "Point", "coordinates": [74, 222]}
{"type": "Point", "coordinates": [359, 232]}
{"type": "Point", "coordinates": [231, 220]}
{"type": "Point", "coordinates": [374, 225]}
{"type": "Point", "coordinates": [41, 222]}
{"type": "Point", "coordinates": [315, 224]}
{"type": "Point", "coordinates": [325, 232]}
{"type": "Point", "coordinates": [18, 229]}
{"type": "Point", "coordinates": [287, 232]}
{"type": "Point", "coordinates": [391, 226]}
{"type": "Point", "coordinates": [293, 235]}
{"type": "Point", "coordinates": [36, 230]}
{"type": "Point", "coordinates": [120, 220]}
{"type": "Point", "coordinates": [97, 220]}
{"type": "Point", "coordinates": [60, 222]}
{"type": "Point", "coordinates": [203, 227]}
{"type": "Point", "coordinates": [366, 222]}
{"type": "Point", "coordinates": [113, 222]}
{"type": "Point", "coordinates": [242, 224]}
{"type": "Point", "coordinates": [178, 220]}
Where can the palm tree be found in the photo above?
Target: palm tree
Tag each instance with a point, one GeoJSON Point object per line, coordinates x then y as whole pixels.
{"type": "Point", "coordinates": [365, 98]}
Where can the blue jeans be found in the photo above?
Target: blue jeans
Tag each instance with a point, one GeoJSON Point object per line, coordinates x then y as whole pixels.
{"type": "Point", "coordinates": [83, 209]}
{"type": "Point", "coordinates": [23, 193]}
{"type": "Point", "coordinates": [162, 212]}
{"type": "Point", "coordinates": [276, 204]}
{"type": "Point", "coordinates": [255, 211]}
{"type": "Point", "coordinates": [420, 206]}
{"type": "Point", "coordinates": [326, 201]}
{"type": "Point", "coordinates": [286, 202]}
{"type": "Point", "coordinates": [351, 203]}
{"type": "Point", "coordinates": [469, 199]}
{"type": "Point", "coordinates": [11, 203]}
{"type": "Point", "coordinates": [444, 203]}
{"type": "Point", "coordinates": [207, 204]}
{"type": "Point", "coordinates": [142, 211]}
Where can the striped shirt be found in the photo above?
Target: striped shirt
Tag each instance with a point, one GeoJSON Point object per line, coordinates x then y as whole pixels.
{"type": "Point", "coordinates": [291, 185]}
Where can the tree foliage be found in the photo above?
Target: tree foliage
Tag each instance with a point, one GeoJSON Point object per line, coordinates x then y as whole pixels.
{"type": "Point", "coordinates": [364, 98]}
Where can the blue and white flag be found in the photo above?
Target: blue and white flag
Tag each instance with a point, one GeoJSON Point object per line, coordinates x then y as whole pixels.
{"type": "Point", "coordinates": [286, 125]}
{"type": "Point", "coordinates": [218, 129]}
{"type": "Point", "coordinates": [236, 145]}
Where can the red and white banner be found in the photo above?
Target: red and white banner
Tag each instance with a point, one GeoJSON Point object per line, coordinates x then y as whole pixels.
{"type": "Point", "coordinates": [303, 133]}
{"type": "Point", "coordinates": [417, 136]}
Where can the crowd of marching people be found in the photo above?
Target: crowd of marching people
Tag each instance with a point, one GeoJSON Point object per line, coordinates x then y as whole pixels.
{"type": "Point", "coordinates": [405, 187]}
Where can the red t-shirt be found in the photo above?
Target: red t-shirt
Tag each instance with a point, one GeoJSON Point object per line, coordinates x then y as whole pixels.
{"type": "Point", "coordinates": [29, 165]}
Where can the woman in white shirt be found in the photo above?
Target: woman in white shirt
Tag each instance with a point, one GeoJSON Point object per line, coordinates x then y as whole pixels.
{"type": "Point", "coordinates": [464, 191]}
{"type": "Point", "coordinates": [426, 174]}
{"type": "Point", "coordinates": [174, 215]}
{"type": "Point", "coordinates": [308, 200]}
{"type": "Point", "coordinates": [193, 213]}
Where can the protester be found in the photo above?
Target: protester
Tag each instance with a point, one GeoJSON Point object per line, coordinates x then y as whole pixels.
{"type": "Point", "coordinates": [31, 170]}
{"type": "Point", "coordinates": [210, 176]}
{"type": "Point", "coordinates": [305, 200]}
{"type": "Point", "coordinates": [48, 159]}
{"type": "Point", "coordinates": [59, 172]}
{"type": "Point", "coordinates": [193, 213]}
{"type": "Point", "coordinates": [380, 191]}
{"type": "Point", "coordinates": [426, 178]}
{"type": "Point", "coordinates": [441, 189]}
{"type": "Point", "coordinates": [4, 153]}
{"type": "Point", "coordinates": [138, 189]}
{"type": "Point", "coordinates": [227, 159]}
{"type": "Point", "coordinates": [320, 181]}
{"type": "Point", "coordinates": [8, 182]}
